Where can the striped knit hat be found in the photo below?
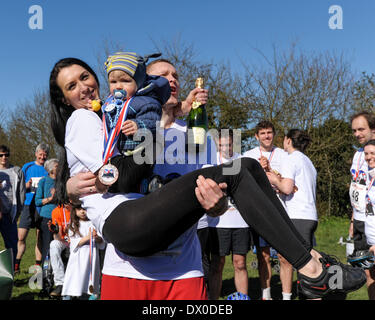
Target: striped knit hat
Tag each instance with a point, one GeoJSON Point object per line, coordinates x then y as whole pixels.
{"type": "Point", "coordinates": [131, 63]}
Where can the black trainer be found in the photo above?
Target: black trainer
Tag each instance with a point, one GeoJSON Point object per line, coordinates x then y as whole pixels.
{"type": "Point", "coordinates": [57, 291]}
{"type": "Point", "coordinates": [336, 277]}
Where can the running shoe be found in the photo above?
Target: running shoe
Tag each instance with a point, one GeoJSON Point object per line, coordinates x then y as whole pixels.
{"type": "Point", "coordinates": [335, 278]}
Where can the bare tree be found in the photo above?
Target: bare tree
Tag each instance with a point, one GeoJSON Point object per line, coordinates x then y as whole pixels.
{"type": "Point", "coordinates": [364, 93]}
{"type": "Point", "coordinates": [298, 89]}
{"type": "Point", "coordinates": [29, 125]}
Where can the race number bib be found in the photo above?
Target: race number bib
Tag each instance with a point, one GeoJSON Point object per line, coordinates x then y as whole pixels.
{"type": "Point", "coordinates": [358, 196]}
{"type": "Point", "coordinates": [34, 183]}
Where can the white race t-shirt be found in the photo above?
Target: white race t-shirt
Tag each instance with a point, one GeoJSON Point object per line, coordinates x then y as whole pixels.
{"type": "Point", "coordinates": [301, 204]}
{"type": "Point", "coordinates": [84, 145]}
{"type": "Point", "coordinates": [231, 218]}
{"type": "Point", "coordinates": [370, 210]}
{"type": "Point", "coordinates": [182, 259]}
{"type": "Point", "coordinates": [357, 190]}
{"type": "Point", "coordinates": [275, 156]}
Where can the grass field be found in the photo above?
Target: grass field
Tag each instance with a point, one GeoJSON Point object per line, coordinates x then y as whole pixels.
{"type": "Point", "coordinates": [328, 233]}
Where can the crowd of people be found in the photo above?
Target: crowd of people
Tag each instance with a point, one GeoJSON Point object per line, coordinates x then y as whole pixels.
{"type": "Point", "coordinates": [171, 242]}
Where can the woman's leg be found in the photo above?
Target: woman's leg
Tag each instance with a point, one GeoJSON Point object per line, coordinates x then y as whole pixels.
{"type": "Point", "coordinates": [144, 226]}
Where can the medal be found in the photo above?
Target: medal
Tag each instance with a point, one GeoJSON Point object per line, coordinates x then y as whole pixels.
{"type": "Point", "coordinates": [108, 174]}
{"type": "Point", "coordinates": [109, 107]}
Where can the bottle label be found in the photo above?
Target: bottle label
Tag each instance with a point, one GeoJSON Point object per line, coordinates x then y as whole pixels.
{"type": "Point", "coordinates": [199, 135]}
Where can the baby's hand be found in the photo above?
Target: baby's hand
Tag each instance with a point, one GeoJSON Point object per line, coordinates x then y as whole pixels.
{"type": "Point", "coordinates": [129, 128]}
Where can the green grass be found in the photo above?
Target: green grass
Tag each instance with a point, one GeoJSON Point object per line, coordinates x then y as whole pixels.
{"type": "Point", "coordinates": [327, 235]}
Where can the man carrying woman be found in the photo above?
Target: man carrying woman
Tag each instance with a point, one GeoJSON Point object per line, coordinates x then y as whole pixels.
{"type": "Point", "coordinates": [144, 226]}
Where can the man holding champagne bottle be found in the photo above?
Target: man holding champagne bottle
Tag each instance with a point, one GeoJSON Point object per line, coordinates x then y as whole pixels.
{"type": "Point", "coordinates": [176, 272]}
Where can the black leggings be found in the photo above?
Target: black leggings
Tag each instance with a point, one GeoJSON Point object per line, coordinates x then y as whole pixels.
{"type": "Point", "coordinates": [147, 225]}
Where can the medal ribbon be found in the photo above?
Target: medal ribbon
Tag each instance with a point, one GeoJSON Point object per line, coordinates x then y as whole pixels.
{"type": "Point", "coordinates": [65, 224]}
{"type": "Point", "coordinates": [271, 155]}
{"type": "Point", "coordinates": [359, 165]}
{"type": "Point", "coordinates": [111, 137]}
{"type": "Point", "coordinates": [91, 253]}
{"type": "Point", "coordinates": [370, 186]}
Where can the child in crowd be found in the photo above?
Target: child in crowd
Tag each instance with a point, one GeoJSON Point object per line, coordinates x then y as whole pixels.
{"type": "Point", "coordinates": [128, 79]}
{"type": "Point", "coordinates": [58, 225]}
{"type": "Point", "coordinates": [82, 275]}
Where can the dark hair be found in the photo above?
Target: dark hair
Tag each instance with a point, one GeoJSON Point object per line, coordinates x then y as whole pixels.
{"type": "Point", "coordinates": [75, 220]}
{"type": "Point", "coordinates": [4, 148]}
{"type": "Point", "coordinates": [300, 139]}
{"type": "Point", "coordinates": [370, 142]}
{"type": "Point", "coordinates": [265, 124]}
{"type": "Point", "coordinates": [370, 118]}
{"type": "Point", "coordinates": [60, 113]}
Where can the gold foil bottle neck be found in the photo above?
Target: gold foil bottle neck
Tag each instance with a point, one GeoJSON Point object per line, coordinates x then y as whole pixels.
{"type": "Point", "coordinates": [199, 83]}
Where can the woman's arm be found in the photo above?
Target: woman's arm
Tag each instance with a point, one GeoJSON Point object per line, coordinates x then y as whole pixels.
{"type": "Point", "coordinates": [285, 185]}
{"type": "Point", "coordinates": [39, 194]}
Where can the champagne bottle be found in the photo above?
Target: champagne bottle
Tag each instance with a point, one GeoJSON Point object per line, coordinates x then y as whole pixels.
{"type": "Point", "coordinates": [197, 119]}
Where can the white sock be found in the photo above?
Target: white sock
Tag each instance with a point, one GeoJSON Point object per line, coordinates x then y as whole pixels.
{"type": "Point", "coordinates": [266, 293]}
{"type": "Point", "coordinates": [287, 296]}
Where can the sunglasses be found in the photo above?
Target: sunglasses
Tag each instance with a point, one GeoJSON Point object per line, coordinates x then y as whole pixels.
{"type": "Point", "coordinates": [4, 155]}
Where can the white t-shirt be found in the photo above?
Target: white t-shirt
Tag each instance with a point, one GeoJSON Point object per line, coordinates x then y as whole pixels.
{"type": "Point", "coordinates": [231, 218]}
{"type": "Point", "coordinates": [275, 156]}
{"type": "Point", "coordinates": [301, 204]}
{"type": "Point", "coordinates": [84, 146]}
{"type": "Point", "coordinates": [370, 210]}
{"type": "Point", "coordinates": [182, 259]}
{"type": "Point", "coordinates": [358, 184]}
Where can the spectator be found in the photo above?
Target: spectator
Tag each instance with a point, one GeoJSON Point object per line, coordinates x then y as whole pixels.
{"type": "Point", "coordinates": [363, 128]}
{"type": "Point", "coordinates": [229, 234]}
{"type": "Point", "coordinates": [369, 152]}
{"type": "Point", "coordinates": [33, 171]}
{"type": "Point", "coordinates": [12, 197]}
{"type": "Point", "coordinates": [270, 157]}
{"type": "Point", "coordinates": [60, 243]}
{"type": "Point", "coordinates": [82, 276]}
{"type": "Point", "coordinates": [298, 184]}
{"type": "Point", "coordinates": [44, 198]}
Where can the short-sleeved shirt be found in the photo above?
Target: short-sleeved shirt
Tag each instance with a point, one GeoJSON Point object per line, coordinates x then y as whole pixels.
{"type": "Point", "coordinates": [84, 147]}
{"type": "Point", "coordinates": [359, 177]}
{"type": "Point", "coordinates": [300, 204]}
{"type": "Point", "coordinates": [275, 156]}
{"type": "Point", "coordinates": [36, 172]}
